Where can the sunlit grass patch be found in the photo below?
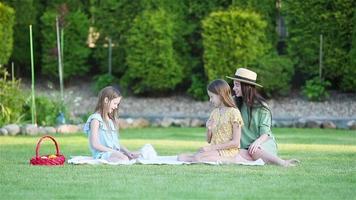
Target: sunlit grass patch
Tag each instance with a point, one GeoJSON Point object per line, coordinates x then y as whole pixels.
{"type": "Point", "coordinates": [327, 169]}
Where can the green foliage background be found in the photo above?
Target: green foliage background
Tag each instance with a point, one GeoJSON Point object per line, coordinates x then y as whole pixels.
{"type": "Point", "coordinates": [7, 20]}
{"type": "Point", "coordinates": [188, 43]}
{"type": "Point", "coordinates": [232, 39]}
{"type": "Point", "coordinates": [306, 21]}
{"type": "Point", "coordinates": [153, 63]}
{"type": "Point", "coordinates": [75, 50]}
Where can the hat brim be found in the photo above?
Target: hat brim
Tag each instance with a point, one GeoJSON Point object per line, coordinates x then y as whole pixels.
{"type": "Point", "coordinates": [245, 81]}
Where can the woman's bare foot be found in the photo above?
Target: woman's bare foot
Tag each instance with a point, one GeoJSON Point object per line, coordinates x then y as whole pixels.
{"type": "Point", "coordinates": [291, 163]}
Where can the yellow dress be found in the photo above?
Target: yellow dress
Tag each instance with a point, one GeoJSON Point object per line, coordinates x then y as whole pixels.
{"type": "Point", "coordinates": [222, 131]}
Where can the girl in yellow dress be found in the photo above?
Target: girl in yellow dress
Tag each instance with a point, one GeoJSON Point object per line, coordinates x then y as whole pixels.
{"type": "Point", "coordinates": [223, 127]}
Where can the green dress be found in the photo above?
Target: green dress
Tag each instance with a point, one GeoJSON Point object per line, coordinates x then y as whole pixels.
{"type": "Point", "coordinates": [260, 124]}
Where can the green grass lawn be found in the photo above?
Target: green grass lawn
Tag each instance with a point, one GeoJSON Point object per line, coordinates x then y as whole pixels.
{"type": "Point", "coordinates": [327, 170]}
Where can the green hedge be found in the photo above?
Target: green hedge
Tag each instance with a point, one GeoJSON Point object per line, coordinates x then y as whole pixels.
{"type": "Point", "coordinates": [152, 62]}
{"type": "Point", "coordinates": [7, 20]}
{"type": "Point", "coordinates": [76, 50]}
{"type": "Point", "coordinates": [268, 12]}
{"type": "Point", "coordinates": [113, 18]}
{"type": "Point", "coordinates": [274, 73]}
{"type": "Point", "coordinates": [232, 39]}
{"type": "Point", "coordinates": [306, 20]}
{"type": "Point", "coordinates": [26, 14]}
{"type": "Point", "coordinates": [349, 81]}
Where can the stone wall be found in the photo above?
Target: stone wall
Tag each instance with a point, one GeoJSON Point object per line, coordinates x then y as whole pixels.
{"type": "Point", "coordinates": [31, 129]}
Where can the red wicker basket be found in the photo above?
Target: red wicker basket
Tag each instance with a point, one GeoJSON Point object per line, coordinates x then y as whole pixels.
{"type": "Point", "coordinates": [56, 159]}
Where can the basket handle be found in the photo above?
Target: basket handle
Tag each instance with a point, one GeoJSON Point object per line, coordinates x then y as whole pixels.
{"type": "Point", "coordinates": [40, 141]}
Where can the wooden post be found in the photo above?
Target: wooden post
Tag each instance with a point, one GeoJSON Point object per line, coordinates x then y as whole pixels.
{"type": "Point", "coordinates": [12, 72]}
{"type": "Point", "coordinates": [60, 69]}
{"type": "Point", "coordinates": [321, 57]}
{"type": "Point", "coordinates": [110, 53]}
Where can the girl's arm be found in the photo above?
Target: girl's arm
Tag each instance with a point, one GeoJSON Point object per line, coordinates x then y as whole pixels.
{"type": "Point", "coordinates": [233, 143]}
{"type": "Point", "coordinates": [128, 153]}
{"type": "Point", "coordinates": [208, 135]}
{"type": "Point", "coordinates": [209, 126]}
{"type": "Point", "coordinates": [94, 137]}
{"type": "Point", "coordinates": [124, 149]}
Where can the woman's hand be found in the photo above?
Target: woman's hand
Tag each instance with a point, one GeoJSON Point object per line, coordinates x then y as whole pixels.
{"type": "Point", "coordinates": [254, 147]}
{"type": "Point", "coordinates": [257, 143]}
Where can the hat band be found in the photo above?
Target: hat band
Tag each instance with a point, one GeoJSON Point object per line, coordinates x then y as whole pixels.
{"type": "Point", "coordinates": [246, 79]}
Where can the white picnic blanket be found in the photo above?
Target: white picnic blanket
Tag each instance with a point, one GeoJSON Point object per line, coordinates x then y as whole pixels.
{"type": "Point", "coordinates": [148, 157]}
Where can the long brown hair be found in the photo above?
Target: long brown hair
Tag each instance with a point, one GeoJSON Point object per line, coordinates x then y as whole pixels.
{"type": "Point", "coordinates": [251, 98]}
{"type": "Point", "coordinates": [102, 107]}
{"type": "Point", "coordinates": [221, 87]}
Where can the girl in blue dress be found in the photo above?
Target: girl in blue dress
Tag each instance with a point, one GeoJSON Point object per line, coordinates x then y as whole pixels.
{"type": "Point", "coordinates": [102, 128]}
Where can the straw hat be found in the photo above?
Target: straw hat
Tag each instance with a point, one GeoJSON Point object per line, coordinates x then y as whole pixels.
{"type": "Point", "coordinates": [246, 76]}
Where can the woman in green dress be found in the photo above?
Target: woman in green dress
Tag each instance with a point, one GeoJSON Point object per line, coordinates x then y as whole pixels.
{"type": "Point", "coordinates": [257, 140]}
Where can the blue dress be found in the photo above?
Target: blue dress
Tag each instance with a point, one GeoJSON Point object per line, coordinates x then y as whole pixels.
{"type": "Point", "coordinates": [107, 137]}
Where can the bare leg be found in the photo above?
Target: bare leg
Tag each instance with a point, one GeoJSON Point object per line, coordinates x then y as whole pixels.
{"type": "Point", "coordinates": [186, 157]}
{"type": "Point", "coordinates": [245, 155]}
{"type": "Point", "coordinates": [207, 156]}
{"type": "Point", "coordinates": [273, 159]}
{"type": "Point", "coordinates": [242, 157]}
{"type": "Point", "coordinates": [117, 156]}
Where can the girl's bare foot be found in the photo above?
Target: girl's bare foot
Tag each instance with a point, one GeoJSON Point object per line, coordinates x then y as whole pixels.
{"type": "Point", "coordinates": [291, 163]}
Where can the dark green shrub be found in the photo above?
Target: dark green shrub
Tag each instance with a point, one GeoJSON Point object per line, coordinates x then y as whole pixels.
{"type": "Point", "coordinates": [268, 12]}
{"type": "Point", "coordinates": [315, 89]}
{"type": "Point", "coordinates": [104, 80]}
{"type": "Point", "coordinates": [349, 81]}
{"type": "Point", "coordinates": [113, 18]}
{"type": "Point", "coordinates": [274, 73]}
{"type": "Point", "coordinates": [7, 20]}
{"type": "Point", "coordinates": [76, 51]}
{"type": "Point", "coordinates": [198, 88]}
{"type": "Point", "coordinates": [306, 20]}
{"type": "Point", "coordinates": [152, 61]}
{"type": "Point", "coordinates": [47, 110]}
{"type": "Point", "coordinates": [11, 99]}
{"type": "Point", "coordinates": [26, 13]}
{"type": "Point", "coordinates": [231, 39]}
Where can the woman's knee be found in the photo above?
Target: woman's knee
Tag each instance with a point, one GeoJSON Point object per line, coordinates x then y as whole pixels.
{"type": "Point", "coordinates": [257, 154]}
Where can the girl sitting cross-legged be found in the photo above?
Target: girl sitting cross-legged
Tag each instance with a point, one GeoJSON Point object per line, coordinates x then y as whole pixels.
{"type": "Point", "coordinates": [102, 128]}
{"type": "Point", "coordinates": [223, 127]}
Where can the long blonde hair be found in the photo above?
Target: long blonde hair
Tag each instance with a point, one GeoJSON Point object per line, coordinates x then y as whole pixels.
{"type": "Point", "coordinates": [221, 87]}
{"type": "Point", "coordinates": [102, 107]}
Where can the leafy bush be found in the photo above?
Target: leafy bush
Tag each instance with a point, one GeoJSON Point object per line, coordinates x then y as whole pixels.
{"type": "Point", "coordinates": [76, 51]}
{"type": "Point", "coordinates": [11, 99]}
{"type": "Point", "coordinates": [231, 39]}
{"type": "Point", "coordinates": [7, 20]}
{"type": "Point", "coordinates": [332, 19]}
{"type": "Point", "coordinates": [267, 10]}
{"type": "Point", "coordinates": [152, 61]}
{"type": "Point", "coordinates": [113, 18]}
{"type": "Point", "coordinates": [198, 88]}
{"type": "Point", "coordinates": [26, 13]}
{"type": "Point", "coordinates": [47, 110]}
{"type": "Point", "coordinates": [349, 81]}
{"type": "Point", "coordinates": [104, 80]}
{"type": "Point", "coordinates": [315, 89]}
{"type": "Point", "coordinates": [274, 73]}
